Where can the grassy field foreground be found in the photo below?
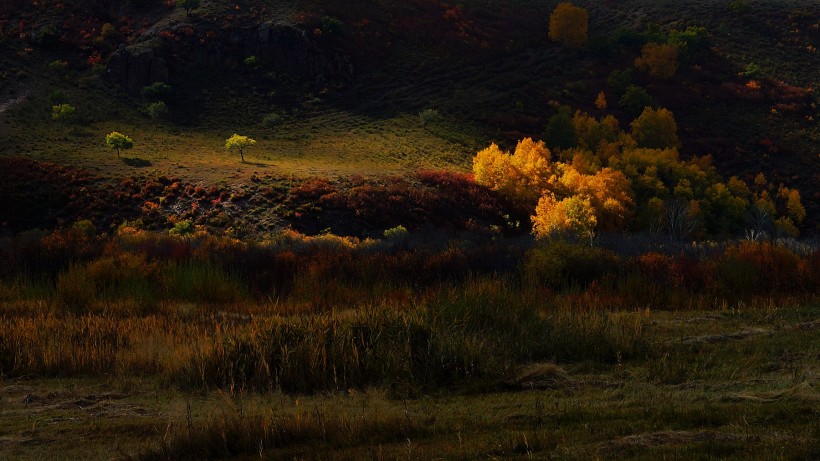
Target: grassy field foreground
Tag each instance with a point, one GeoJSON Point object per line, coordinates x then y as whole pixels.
{"type": "Point", "coordinates": [738, 383]}
{"type": "Point", "coordinates": [153, 346]}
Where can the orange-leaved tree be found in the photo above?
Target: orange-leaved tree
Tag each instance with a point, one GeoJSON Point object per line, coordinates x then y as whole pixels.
{"type": "Point", "coordinates": [569, 24]}
{"type": "Point", "coordinates": [658, 60]}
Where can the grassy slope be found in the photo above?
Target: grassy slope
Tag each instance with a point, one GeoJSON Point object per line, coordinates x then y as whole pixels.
{"type": "Point", "coordinates": [727, 384]}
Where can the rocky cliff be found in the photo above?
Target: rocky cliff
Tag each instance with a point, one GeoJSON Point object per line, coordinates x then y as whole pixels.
{"type": "Point", "coordinates": [162, 53]}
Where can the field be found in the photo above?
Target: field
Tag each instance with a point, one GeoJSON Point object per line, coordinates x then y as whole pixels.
{"type": "Point", "coordinates": [720, 384]}
{"type": "Point", "coordinates": [351, 290]}
{"type": "Point", "coordinates": [157, 347]}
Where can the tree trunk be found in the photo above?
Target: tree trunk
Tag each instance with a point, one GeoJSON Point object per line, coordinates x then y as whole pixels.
{"type": "Point", "coordinates": [242, 156]}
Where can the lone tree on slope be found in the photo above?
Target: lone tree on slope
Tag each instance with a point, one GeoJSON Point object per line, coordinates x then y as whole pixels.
{"type": "Point", "coordinates": [117, 140]}
{"type": "Point", "coordinates": [62, 112]}
{"type": "Point", "coordinates": [239, 142]}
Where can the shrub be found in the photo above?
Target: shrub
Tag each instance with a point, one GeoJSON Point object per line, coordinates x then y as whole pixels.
{"type": "Point", "coordinates": [158, 111]}
{"type": "Point", "coordinates": [753, 71]}
{"type": "Point", "coordinates": [620, 80]}
{"type": "Point", "coordinates": [740, 6]}
{"type": "Point", "coordinates": [396, 234]}
{"type": "Point", "coordinates": [57, 97]}
{"type": "Point", "coordinates": [58, 66]}
{"type": "Point", "coordinates": [428, 116]}
{"type": "Point", "coordinates": [46, 36]}
{"type": "Point", "coordinates": [560, 264]}
{"type": "Point", "coordinates": [109, 32]}
{"type": "Point", "coordinates": [252, 61]}
{"type": "Point", "coordinates": [157, 91]}
{"type": "Point", "coordinates": [331, 25]}
{"type": "Point", "coordinates": [185, 227]}
{"type": "Point", "coordinates": [272, 119]}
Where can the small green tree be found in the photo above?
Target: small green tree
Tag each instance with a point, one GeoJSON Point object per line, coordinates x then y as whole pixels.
{"type": "Point", "coordinates": [238, 142]}
{"type": "Point", "coordinates": [117, 140]}
{"type": "Point", "coordinates": [157, 111]}
{"type": "Point", "coordinates": [635, 99]}
{"type": "Point", "coordinates": [560, 132]}
{"type": "Point", "coordinates": [188, 5]}
{"type": "Point", "coordinates": [62, 113]}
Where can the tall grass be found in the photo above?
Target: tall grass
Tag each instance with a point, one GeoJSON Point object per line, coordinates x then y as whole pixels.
{"type": "Point", "coordinates": [479, 334]}
{"type": "Point", "coordinates": [313, 314]}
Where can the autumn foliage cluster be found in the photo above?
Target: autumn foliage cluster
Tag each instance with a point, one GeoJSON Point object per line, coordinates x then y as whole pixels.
{"type": "Point", "coordinates": [606, 179]}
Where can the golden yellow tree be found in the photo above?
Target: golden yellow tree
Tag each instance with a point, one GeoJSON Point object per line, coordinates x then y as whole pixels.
{"type": "Point", "coordinates": [523, 175]}
{"type": "Point", "coordinates": [569, 25]}
{"type": "Point", "coordinates": [572, 215]}
{"type": "Point", "coordinates": [492, 167]}
{"type": "Point", "coordinates": [659, 60]}
{"type": "Point", "coordinates": [608, 192]}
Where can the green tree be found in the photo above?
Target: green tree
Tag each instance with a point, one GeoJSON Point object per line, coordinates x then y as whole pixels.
{"type": "Point", "coordinates": [157, 111]}
{"type": "Point", "coordinates": [569, 25]}
{"type": "Point", "coordinates": [62, 113]}
{"type": "Point", "coordinates": [238, 142]}
{"type": "Point", "coordinates": [188, 5]}
{"type": "Point", "coordinates": [656, 129]}
{"type": "Point", "coordinates": [117, 140]}
{"type": "Point", "coordinates": [635, 99]}
{"type": "Point", "coordinates": [560, 132]}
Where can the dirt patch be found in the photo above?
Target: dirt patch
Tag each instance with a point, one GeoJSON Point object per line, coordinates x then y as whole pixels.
{"type": "Point", "coordinates": [100, 405]}
{"type": "Point", "coordinates": [667, 438]}
{"type": "Point", "coordinates": [802, 392]}
{"type": "Point", "coordinates": [6, 105]}
{"type": "Point", "coordinates": [744, 333]}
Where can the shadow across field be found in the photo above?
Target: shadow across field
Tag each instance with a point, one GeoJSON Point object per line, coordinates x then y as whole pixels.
{"type": "Point", "coordinates": [137, 162]}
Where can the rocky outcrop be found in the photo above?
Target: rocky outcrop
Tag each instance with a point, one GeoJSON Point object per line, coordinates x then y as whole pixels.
{"type": "Point", "coordinates": [138, 66]}
{"type": "Point", "coordinates": [181, 47]}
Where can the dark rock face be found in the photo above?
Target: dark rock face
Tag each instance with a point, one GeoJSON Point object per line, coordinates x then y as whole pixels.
{"type": "Point", "coordinates": [283, 46]}
{"type": "Point", "coordinates": [136, 67]}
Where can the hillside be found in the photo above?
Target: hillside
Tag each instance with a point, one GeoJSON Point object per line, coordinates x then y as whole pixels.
{"type": "Point", "coordinates": [337, 88]}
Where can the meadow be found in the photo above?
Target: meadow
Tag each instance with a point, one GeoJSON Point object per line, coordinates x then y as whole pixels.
{"type": "Point", "coordinates": [204, 347]}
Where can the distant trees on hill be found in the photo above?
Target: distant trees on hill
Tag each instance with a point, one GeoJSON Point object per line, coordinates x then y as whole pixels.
{"type": "Point", "coordinates": [607, 179]}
